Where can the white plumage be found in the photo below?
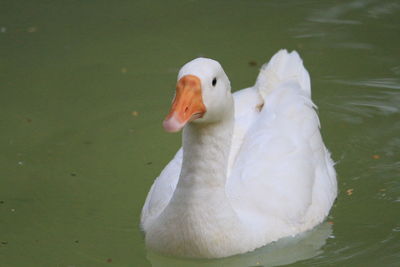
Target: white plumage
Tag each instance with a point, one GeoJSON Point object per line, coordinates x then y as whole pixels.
{"type": "Point", "coordinates": [252, 170]}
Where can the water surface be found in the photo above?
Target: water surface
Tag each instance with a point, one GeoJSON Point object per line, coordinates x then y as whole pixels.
{"type": "Point", "coordinates": [84, 86]}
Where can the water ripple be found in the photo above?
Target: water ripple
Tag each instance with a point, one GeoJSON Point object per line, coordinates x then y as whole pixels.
{"type": "Point", "coordinates": [353, 45]}
{"type": "Point", "coordinates": [379, 97]}
{"type": "Point", "coordinates": [384, 9]}
{"type": "Point", "coordinates": [335, 14]}
{"type": "Point", "coordinates": [391, 83]}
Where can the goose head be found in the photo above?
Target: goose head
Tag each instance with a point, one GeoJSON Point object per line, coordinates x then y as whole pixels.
{"type": "Point", "coordinates": [203, 95]}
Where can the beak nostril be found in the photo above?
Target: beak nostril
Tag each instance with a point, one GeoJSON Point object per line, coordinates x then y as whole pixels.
{"type": "Point", "coordinates": [186, 109]}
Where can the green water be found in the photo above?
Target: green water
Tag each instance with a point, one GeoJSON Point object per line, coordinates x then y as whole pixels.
{"type": "Point", "coordinates": [84, 86]}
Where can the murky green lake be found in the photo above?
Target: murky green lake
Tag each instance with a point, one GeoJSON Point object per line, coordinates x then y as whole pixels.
{"type": "Point", "coordinates": [84, 87]}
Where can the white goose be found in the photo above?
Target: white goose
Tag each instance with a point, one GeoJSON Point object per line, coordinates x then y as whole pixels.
{"type": "Point", "coordinates": [253, 167]}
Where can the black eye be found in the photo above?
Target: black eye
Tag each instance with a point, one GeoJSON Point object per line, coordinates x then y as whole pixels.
{"type": "Point", "coordinates": [214, 81]}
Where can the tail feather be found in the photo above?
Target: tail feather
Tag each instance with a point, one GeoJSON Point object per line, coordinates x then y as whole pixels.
{"type": "Point", "coordinates": [283, 67]}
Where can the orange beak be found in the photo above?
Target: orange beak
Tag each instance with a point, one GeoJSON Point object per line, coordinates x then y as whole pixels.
{"type": "Point", "coordinates": [187, 106]}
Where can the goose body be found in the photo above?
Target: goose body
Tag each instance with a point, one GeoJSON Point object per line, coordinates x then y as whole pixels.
{"type": "Point", "coordinates": [253, 167]}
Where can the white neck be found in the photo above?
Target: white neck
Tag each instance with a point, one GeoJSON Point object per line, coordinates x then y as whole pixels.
{"type": "Point", "coordinates": [206, 149]}
{"type": "Point", "coordinates": [205, 154]}
{"type": "Point", "coordinates": [199, 217]}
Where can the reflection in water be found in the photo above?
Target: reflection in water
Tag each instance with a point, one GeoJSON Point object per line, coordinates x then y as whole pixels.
{"type": "Point", "coordinates": [284, 251]}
